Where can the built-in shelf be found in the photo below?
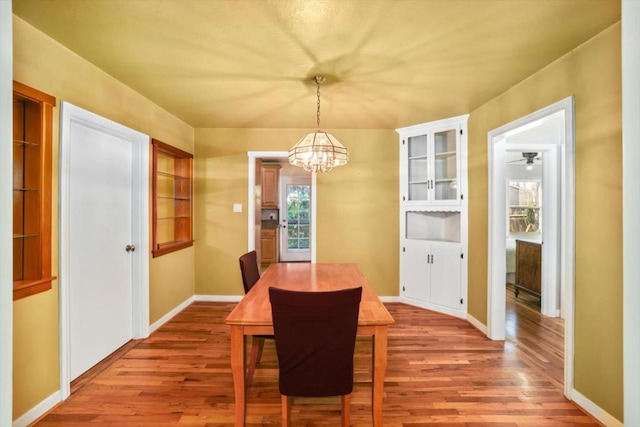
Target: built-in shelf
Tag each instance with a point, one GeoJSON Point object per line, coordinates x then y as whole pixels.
{"type": "Point", "coordinates": [32, 146]}
{"type": "Point", "coordinates": [172, 199]}
{"type": "Point", "coordinates": [437, 226]}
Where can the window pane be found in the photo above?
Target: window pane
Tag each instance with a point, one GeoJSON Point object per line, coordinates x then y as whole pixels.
{"type": "Point", "coordinates": [524, 206]}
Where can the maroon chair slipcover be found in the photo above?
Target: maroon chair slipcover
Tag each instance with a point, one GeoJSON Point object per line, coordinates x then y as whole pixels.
{"type": "Point", "coordinates": [315, 339]}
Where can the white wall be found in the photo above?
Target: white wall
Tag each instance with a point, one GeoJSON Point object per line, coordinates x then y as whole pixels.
{"type": "Point", "coordinates": [6, 248]}
{"type": "Point", "coordinates": [631, 207]}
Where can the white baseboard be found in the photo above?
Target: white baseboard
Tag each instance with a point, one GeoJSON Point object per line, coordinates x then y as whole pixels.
{"type": "Point", "coordinates": [597, 412]}
{"type": "Point", "coordinates": [39, 410]}
{"type": "Point", "coordinates": [477, 324]}
{"type": "Point", "coordinates": [218, 298]}
{"type": "Point", "coordinates": [391, 299]}
{"type": "Point", "coordinates": [164, 319]}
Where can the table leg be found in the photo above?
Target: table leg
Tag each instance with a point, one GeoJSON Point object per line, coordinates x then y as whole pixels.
{"type": "Point", "coordinates": [238, 355]}
{"type": "Point", "coordinates": [379, 370]}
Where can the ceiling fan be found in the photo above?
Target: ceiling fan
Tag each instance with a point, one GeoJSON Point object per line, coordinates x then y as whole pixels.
{"type": "Point", "coordinates": [528, 157]}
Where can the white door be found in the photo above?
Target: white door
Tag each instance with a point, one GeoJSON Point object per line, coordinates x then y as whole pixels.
{"type": "Point", "coordinates": [104, 206]}
{"type": "Point", "coordinates": [445, 275]}
{"type": "Point", "coordinates": [100, 275]}
{"type": "Point", "coordinates": [416, 270]}
{"type": "Point", "coordinates": [295, 219]}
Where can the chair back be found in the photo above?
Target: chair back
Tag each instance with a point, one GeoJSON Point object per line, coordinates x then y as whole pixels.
{"type": "Point", "coordinates": [315, 339]}
{"type": "Point", "coordinates": [249, 270]}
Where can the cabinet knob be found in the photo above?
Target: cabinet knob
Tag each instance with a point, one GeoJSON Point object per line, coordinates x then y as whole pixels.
{"type": "Point", "coordinates": [130, 248]}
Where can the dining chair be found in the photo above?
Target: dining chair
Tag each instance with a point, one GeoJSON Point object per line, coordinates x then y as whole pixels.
{"type": "Point", "coordinates": [250, 275]}
{"type": "Point", "coordinates": [315, 339]}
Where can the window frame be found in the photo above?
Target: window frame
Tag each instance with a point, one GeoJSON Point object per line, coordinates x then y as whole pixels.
{"type": "Point", "coordinates": [182, 176]}
{"type": "Point", "coordinates": [39, 127]}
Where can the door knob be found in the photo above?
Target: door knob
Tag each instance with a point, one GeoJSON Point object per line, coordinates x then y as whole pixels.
{"type": "Point", "coordinates": [130, 248]}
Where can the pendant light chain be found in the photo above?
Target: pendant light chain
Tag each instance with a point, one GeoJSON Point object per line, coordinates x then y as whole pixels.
{"type": "Point", "coordinates": [318, 80]}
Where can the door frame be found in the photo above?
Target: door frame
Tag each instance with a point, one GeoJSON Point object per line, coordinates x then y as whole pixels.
{"type": "Point", "coordinates": [284, 180]}
{"type": "Point", "coordinates": [6, 214]}
{"type": "Point", "coordinates": [69, 114]}
{"type": "Point", "coordinates": [631, 208]}
{"type": "Point", "coordinates": [251, 198]}
{"type": "Point", "coordinates": [496, 247]}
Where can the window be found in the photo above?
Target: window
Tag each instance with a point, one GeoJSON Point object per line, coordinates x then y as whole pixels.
{"type": "Point", "coordinates": [172, 199]}
{"type": "Point", "coordinates": [524, 206]}
{"type": "Point", "coordinates": [32, 139]}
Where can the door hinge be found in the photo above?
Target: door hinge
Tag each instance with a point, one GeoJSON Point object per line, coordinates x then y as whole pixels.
{"type": "Point", "coordinates": [461, 256]}
{"type": "Point", "coordinates": [462, 197]}
{"type": "Point", "coordinates": [403, 289]}
{"type": "Point", "coordinates": [403, 249]}
{"type": "Point", "coordinates": [460, 131]}
{"type": "Point", "coordinates": [461, 300]}
{"type": "Point", "coordinates": [403, 142]}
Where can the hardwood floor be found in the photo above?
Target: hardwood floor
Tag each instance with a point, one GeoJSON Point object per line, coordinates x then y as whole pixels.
{"type": "Point", "coordinates": [541, 338]}
{"type": "Point", "coordinates": [442, 371]}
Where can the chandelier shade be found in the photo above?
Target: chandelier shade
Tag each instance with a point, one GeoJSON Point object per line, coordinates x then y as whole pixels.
{"type": "Point", "coordinates": [318, 151]}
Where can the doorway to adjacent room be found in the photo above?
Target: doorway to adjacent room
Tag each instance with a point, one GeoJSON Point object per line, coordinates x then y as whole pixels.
{"type": "Point", "coordinates": [292, 220]}
{"type": "Point", "coordinates": [548, 133]}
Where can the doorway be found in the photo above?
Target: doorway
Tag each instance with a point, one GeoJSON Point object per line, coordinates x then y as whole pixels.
{"type": "Point", "coordinates": [255, 159]}
{"type": "Point", "coordinates": [558, 236]}
{"type": "Point", "coordinates": [104, 206]}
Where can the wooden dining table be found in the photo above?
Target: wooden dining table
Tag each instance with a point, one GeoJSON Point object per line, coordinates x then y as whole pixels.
{"type": "Point", "coordinates": [252, 316]}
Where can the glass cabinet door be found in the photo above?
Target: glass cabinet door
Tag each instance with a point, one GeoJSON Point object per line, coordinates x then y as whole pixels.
{"type": "Point", "coordinates": [418, 162]}
{"type": "Point", "coordinates": [446, 165]}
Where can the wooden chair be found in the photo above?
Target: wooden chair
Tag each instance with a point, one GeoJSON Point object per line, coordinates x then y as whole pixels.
{"type": "Point", "coordinates": [250, 275]}
{"type": "Point", "coordinates": [315, 339]}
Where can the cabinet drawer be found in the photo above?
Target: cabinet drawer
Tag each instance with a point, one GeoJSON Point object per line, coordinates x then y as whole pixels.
{"type": "Point", "coordinates": [268, 232]}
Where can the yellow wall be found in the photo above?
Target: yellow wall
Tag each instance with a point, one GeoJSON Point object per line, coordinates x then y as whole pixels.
{"type": "Point", "coordinates": [357, 205]}
{"type": "Point", "coordinates": [44, 64]}
{"type": "Point", "coordinates": [592, 73]}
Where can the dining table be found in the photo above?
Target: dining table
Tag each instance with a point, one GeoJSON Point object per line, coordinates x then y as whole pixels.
{"type": "Point", "coordinates": [252, 316]}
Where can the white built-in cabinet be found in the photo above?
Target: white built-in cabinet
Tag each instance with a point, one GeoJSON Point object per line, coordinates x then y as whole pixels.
{"type": "Point", "coordinates": [433, 215]}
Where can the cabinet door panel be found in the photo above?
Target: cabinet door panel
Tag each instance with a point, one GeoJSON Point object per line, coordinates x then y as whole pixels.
{"type": "Point", "coordinates": [446, 157]}
{"type": "Point", "coordinates": [445, 275]}
{"type": "Point", "coordinates": [415, 270]}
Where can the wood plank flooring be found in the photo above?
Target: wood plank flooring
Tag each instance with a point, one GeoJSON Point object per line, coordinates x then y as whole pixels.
{"type": "Point", "coordinates": [541, 338]}
{"type": "Point", "coordinates": [442, 371]}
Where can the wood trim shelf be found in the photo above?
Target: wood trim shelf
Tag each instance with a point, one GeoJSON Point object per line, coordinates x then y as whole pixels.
{"type": "Point", "coordinates": [172, 218]}
{"type": "Point", "coordinates": [32, 141]}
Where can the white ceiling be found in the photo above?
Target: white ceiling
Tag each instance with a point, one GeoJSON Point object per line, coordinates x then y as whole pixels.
{"type": "Point", "coordinates": [545, 131]}
{"type": "Point", "coordinates": [389, 63]}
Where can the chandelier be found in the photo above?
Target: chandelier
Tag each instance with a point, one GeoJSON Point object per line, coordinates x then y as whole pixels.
{"type": "Point", "coordinates": [318, 151]}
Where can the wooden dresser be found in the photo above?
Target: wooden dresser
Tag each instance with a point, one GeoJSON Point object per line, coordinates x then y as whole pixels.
{"type": "Point", "coordinates": [528, 267]}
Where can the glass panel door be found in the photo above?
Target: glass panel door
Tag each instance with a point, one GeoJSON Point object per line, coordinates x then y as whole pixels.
{"type": "Point", "coordinates": [418, 161]}
{"type": "Point", "coordinates": [296, 221]}
{"type": "Point", "coordinates": [446, 165]}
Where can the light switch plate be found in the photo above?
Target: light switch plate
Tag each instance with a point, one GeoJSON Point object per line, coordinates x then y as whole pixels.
{"type": "Point", "coordinates": [237, 207]}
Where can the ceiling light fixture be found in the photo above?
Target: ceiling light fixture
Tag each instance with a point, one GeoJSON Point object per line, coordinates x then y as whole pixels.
{"type": "Point", "coordinates": [530, 157]}
{"type": "Point", "coordinates": [318, 151]}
